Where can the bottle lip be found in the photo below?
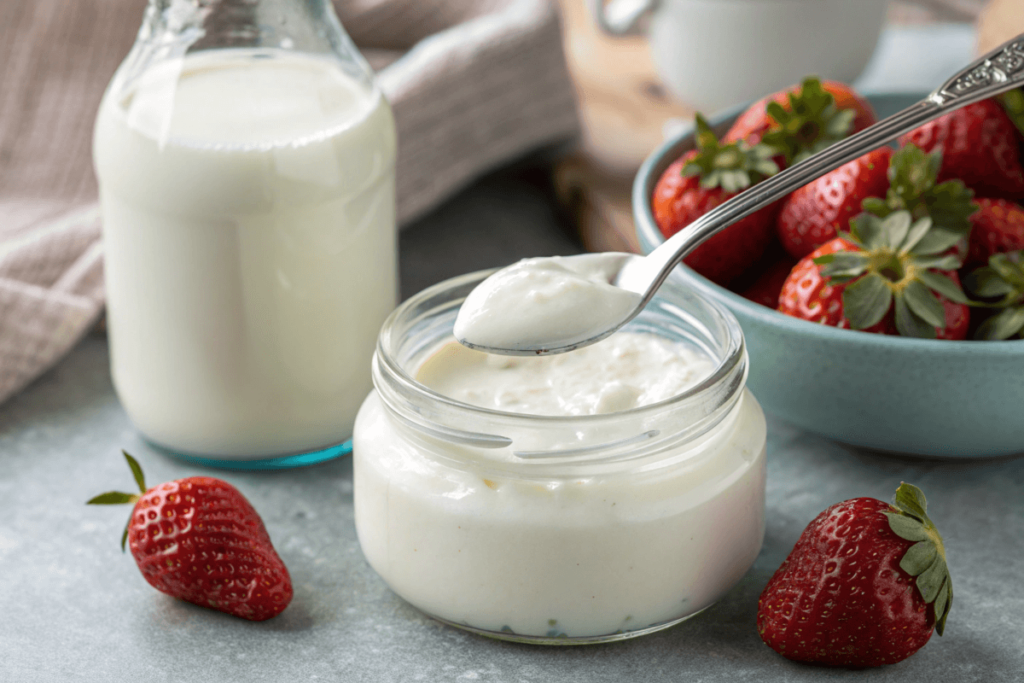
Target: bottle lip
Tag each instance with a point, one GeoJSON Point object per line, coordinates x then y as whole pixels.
{"type": "Point", "coordinates": [173, 29]}
{"type": "Point", "coordinates": [711, 398]}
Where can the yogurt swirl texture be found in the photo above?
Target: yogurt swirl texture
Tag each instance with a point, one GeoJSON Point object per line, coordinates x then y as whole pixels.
{"type": "Point", "coordinates": [625, 371]}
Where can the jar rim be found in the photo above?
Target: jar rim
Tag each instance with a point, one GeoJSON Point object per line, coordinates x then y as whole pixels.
{"type": "Point", "coordinates": [734, 356]}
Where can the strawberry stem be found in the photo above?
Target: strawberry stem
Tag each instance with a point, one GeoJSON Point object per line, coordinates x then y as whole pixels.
{"type": "Point", "coordinates": [733, 167]}
{"type": "Point", "coordinates": [897, 267]}
{"type": "Point", "coordinates": [914, 187]}
{"type": "Point", "coordinates": [121, 498]}
{"type": "Point", "coordinates": [926, 559]}
{"type": "Point", "coordinates": [136, 471]}
{"type": "Point", "coordinates": [810, 123]}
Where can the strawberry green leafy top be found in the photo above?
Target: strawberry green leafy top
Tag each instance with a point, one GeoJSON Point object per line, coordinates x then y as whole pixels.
{"type": "Point", "coordinates": [926, 559]}
{"type": "Point", "coordinates": [121, 498]}
{"type": "Point", "coordinates": [895, 267]}
{"type": "Point", "coordinates": [811, 123]}
{"type": "Point", "coordinates": [1001, 282]}
{"type": "Point", "coordinates": [734, 166]}
{"type": "Point", "coordinates": [914, 187]}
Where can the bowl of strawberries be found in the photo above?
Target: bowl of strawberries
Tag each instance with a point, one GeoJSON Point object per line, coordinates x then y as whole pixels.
{"type": "Point", "coordinates": [883, 303]}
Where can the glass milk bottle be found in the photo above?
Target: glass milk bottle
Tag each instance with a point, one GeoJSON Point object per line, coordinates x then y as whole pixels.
{"type": "Point", "coordinates": [246, 165]}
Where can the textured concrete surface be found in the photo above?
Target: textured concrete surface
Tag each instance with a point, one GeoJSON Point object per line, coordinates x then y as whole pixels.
{"type": "Point", "coordinates": [75, 608]}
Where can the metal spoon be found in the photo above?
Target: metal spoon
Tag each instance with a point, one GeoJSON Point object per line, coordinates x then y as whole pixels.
{"type": "Point", "coordinates": [995, 73]}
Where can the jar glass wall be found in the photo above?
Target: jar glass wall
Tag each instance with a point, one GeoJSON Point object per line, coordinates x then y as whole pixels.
{"type": "Point", "coordinates": [560, 529]}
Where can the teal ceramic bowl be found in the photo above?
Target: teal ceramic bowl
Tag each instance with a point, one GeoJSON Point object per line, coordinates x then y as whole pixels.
{"type": "Point", "coordinates": [913, 396]}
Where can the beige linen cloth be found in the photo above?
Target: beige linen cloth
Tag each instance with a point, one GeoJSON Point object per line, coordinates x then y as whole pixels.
{"type": "Point", "coordinates": [472, 83]}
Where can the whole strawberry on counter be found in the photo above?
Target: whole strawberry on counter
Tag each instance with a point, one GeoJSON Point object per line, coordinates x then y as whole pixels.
{"type": "Point", "coordinates": [865, 585]}
{"type": "Point", "coordinates": [200, 540]}
{"type": "Point", "coordinates": [979, 145]}
{"type": "Point", "coordinates": [803, 119]}
{"type": "Point", "coordinates": [887, 275]}
{"type": "Point", "coordinates": [701, 180]}
{"type": "Point", "coordinates": [1001, 285]}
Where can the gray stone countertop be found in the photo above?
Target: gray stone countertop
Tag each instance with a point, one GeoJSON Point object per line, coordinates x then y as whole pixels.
{"type": "Point", "coordinates": [76, 609]}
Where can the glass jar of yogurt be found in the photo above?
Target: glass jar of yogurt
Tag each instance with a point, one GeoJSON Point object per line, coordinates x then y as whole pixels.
{"type": "Point", "coordinates": [246, 167]}
{"type": "Point", "coordinates": [608, 520]}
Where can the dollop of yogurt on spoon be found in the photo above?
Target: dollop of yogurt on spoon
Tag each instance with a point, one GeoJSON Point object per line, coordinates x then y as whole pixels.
{"type": "Point", "coordinates": [545, 303]}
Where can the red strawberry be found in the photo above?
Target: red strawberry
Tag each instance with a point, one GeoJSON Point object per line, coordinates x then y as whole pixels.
{"type": "Point", "coordinates": [818, 211]}
{"type": "Point", "coordinates": [886, 276]}
{"type": "Point", "coordinates": [914, 187]}
{"type": "Point", "coordinates": [998, 227]}
{"type": "Point", "coordinates": [809, 295]}
{"type": "Point", "coordinates": [765, 289]}
{"type": "Point", "coordinates": [847, 594]}
{"type": "Point", "coordinates": [199, 539]}
{"type": "Point", "coordinates": [701, 180]}
{"type": "Point", "coordinates": [810, 116]}
{"type": "Point", "coordinates": [979, 146]}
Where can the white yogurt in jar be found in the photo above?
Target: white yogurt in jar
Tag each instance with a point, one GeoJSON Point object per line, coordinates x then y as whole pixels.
{"type": "Point", "coordinates": [546, 302]}
{"type": "Point", "coordinates": [249, 228]}
{"type": "Point", "coordinates": [498, 540]}
{"type": "Point", "coordinates": [625, 371]}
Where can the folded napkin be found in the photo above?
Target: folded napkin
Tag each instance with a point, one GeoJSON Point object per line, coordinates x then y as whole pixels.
{"type": "Point", "coordinates": [472, 83]}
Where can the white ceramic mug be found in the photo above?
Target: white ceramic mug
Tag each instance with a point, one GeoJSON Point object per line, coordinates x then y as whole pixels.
{"type": "Point", "coordinates": [715, 53]}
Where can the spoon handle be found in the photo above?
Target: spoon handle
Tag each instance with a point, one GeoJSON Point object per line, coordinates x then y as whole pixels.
{"type": "Point", "coordinates": [995, 73]}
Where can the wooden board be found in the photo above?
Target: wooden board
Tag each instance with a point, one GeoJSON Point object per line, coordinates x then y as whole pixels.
{"type": "Point", "coordinates": [624, 109]}
{"type": "Point", "coordinates": [624, 113]}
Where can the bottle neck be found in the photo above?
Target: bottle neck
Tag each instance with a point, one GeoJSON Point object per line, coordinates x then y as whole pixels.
{"type": "Point", "coordinates": [173, 28]}
{"type": "Point", "coordinates": [306, 25]}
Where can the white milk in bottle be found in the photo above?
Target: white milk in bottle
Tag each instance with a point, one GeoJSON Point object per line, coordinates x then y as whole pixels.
{"type": "Point", "coordinates": [249, 225]}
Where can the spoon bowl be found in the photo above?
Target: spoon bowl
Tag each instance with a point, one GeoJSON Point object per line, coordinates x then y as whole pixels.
{"type": "Point", "coordinates": [545, 306]}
